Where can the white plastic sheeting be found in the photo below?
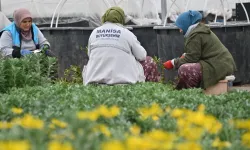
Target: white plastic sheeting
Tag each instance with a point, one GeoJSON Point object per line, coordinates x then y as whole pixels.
{"type": "Point", "coordinates": [4, 21]}
{"type": "Point", "coordinates": [141, 12]}
{"type": "Point", "coordinates": [215, 7]}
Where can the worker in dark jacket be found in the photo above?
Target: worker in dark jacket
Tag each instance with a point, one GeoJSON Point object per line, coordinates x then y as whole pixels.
{"type": "Point", "coordinates": [206, 60]}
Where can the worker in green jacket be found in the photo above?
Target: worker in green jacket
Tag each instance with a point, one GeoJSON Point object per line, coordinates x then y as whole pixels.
{"type": "Point", "coordinates": [205, 60]}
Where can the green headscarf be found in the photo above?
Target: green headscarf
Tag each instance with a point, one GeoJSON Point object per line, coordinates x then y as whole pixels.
{"type": "Point", "coordinates": [114, 15]}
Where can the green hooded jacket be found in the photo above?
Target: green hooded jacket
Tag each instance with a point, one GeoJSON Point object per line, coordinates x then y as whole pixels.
{"type": "Point", "coordinates": [203, 46]}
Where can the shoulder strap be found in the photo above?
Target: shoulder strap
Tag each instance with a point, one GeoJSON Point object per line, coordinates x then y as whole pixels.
{"type": "Point", "coordinates": [33, 38]}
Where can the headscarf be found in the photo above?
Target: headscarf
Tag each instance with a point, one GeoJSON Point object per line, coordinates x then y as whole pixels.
{"type": "Point", "coordinates": [186, 19]}
{"type": "Point", "coordinates": [19, 15]}
{"type": "Point", "coordinates": [114, 15]}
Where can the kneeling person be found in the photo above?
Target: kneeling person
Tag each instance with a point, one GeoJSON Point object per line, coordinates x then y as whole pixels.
{"type": "Point", "coordinates": [115, 54]}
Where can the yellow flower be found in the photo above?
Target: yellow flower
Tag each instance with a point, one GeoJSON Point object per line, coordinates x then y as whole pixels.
{"type": "Point", "coordinates": [182, 123]}
{"type": "Point", "coordinates": [114, 111]}
{"type": "Point", "coordinates": [14, 145]}
{"type": "Point", "coordinates": [176, 113]}
{"type": "Point", "coordinates": [59, 123]}
{"type": "Point", "coordinates": [17, 110]}
{"type": "Point", "coordinates": [154, 111]}
{"type": "Point", "coordinates": [52, 126]}
{"type": "Point", "coordinates": [191, 133]}
{"type": "Point", "coordinates": [113, 145]}
{"type": "Point", "coordinates": [160, 135]}
{"type": "Point", "coordinates": [135, 130]}
{"type": "Point", "coordinates": [29, 122]}
{"type": "Point", "coordinates": [55, 145]}
{"type": "Point", "coordinates": [93, 116]}
{"type": "Point", "coordinates": [155, 118]}
{"type": "Point", "coordinates": [246, 139]}
{"type": "Point", "coordinates": [197, 118]}
{"type": "Point", "coordinates": [242, 124]}
{"type": "Point", "coordinates": [215, 128]}
{"type": "Point", "coordinates": [212, 125]}
{"type": "Point", "coordinates": [103, 129]}
{"type": "Point", "coordinates": [220, 144]}
{"type": "Point", "coordinates": [5, 125]}
{"type": "Point", "coordinates": [108, 112]}
{"type": "Point", "coordinates": [201, 108]}
{"type": "Point", "coordinates": [188, 146]}
{"type": "Point", "coordinates": [103, 111]}
{"type": "Point", "coordinates": [135, 143]}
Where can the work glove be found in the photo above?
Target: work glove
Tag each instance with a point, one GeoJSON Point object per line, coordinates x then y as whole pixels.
{"type": "Point", "coordinates": [25, 52]}
{"type": "Point", "coordinates": [46, 50]}
{"type": "Point", "coordinates": [17, 53]}
{"type": "Point", "coordinates": [169, 64]}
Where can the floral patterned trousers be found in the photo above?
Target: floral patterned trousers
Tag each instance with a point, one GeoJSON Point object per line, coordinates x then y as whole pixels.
{"type": "Point", "coordinates": [151, 70]}
{"type": "Point", "coordinates": [190, 76]}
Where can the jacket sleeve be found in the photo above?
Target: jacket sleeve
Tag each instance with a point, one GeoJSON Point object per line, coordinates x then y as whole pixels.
{"type": "Point", "coordinates": [41, 39]}
{"type": "Point", "coordinates": [6, 44]}
{"type": "Point", "coordinates": [138, 51]}
{"type": "Point", "coordinates": [193, 53]}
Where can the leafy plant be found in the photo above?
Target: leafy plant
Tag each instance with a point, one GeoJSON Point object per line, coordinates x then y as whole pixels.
{"type": "Point", "coordinates": [72, 75]}
{"type": "Point", "coordinates": [28, 71]}
{"type": "Point", "coordinates": [160, 66]}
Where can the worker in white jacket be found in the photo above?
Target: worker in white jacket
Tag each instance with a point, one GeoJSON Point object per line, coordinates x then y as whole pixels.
{"type": "Point", "coordinates": [115, 54]}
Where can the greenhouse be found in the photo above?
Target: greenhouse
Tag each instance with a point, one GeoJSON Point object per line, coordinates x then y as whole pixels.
{"type": "Point", "coordinates": [124, 75]}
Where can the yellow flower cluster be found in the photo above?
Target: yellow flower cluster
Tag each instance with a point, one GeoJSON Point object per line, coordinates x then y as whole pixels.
{"type": "Point", "coordinates": [14, 145]}
{"type": "Point", "coordinates": [17, 110]}
{"type": "Point", "coordinates": [154, 112]}
{"type": "Point", "coordinates": [191, 126]}
{"type": "Point", "coordinates": [27, 121]}
{"type": "Point", "coordinates": [135, 130]}
{"type": "Point", "coordinates": [154, 140]}
{"type": "Point", "coordinates": [101, 111]}
{"type": "Point", "coordinates": [6, 125]}
{"type": "Point", "coordinates": [220, 144]}
{"type": "Point", "coordinates": [244, 124]}
{"type": "Point", "coordinates": [103, 129]}
{"type": "Point", "coordinates": [57, 123]}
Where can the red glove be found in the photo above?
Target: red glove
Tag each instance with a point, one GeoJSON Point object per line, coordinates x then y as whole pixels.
{"type": "Point", "coordinates": [169, 64]}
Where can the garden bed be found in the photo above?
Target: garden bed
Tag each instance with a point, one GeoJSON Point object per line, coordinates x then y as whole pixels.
{"type": "Point", "coordinates": [40, 112]}
{"type": "Point", "coordinates": [141, 116]}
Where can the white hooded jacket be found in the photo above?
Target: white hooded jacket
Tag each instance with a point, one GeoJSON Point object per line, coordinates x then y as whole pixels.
{"type": "Point", "coordinates": [114, 54]}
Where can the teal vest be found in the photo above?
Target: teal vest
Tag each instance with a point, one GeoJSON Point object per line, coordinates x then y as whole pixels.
{"type": "Point", "coordinates": [16, 36]}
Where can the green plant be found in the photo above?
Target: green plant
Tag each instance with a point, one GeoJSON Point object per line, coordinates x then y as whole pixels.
{"type": "Point", "coordinates": [72, 75]}
{"type": "Point", "coordinates": [160, 66]}
{"type": "Point", "coordinates": [31, 70]}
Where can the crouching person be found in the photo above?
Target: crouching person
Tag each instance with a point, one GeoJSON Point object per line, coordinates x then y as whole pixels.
{"type": "Point", "coordinates": [115, 54]}
{"type": "Point", "coordinates": [22, 37]}
{"type": "Point", "coordinates": [206, 59]}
